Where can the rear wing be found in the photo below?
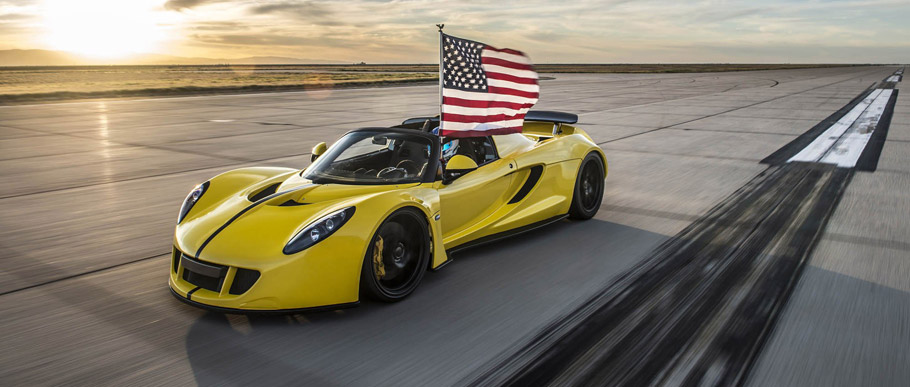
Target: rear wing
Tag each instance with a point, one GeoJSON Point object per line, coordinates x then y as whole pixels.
{"type": "Point", "coordinates": [553, 117]}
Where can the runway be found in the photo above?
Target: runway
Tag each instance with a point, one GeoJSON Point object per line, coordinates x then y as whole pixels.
{"type": "Point", "coordinates": [90, 192]}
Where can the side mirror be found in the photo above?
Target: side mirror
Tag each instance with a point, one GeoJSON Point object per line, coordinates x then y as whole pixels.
{"type": "Point", "coordinates": [318, 150]}
{"type": "Point", "coordinates": [457, 166]}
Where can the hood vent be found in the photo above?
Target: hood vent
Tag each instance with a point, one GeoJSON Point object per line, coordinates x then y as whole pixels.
{"type": "Point", "coordinates": [290, 203]}
{"type": "Point", "coordinates": [265, 192]}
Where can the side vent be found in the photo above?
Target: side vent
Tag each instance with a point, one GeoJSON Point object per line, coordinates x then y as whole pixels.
{"type": "Point", "coordinates": [533, 177]}
{"type": "Point", "coordinates": [265, 192]}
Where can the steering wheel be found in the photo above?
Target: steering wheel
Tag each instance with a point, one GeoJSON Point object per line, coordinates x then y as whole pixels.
{"type": "Point", "coordinates": [392, 172]}
{"type": "Point", "coordinates": [409, 166]}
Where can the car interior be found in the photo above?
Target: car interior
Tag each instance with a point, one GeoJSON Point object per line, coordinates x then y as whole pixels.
{"type": "Point", "coordinates": [381, 157]}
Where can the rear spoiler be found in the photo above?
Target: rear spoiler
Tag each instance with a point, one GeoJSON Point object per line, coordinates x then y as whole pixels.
{"type": "Point", "coordinates": [551, 116]}
{"type": "Point", "coordinates": [557, 118]}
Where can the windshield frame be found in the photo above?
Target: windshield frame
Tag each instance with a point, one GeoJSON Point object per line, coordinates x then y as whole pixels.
{"type": "Point", "coordinates": [429, 174]}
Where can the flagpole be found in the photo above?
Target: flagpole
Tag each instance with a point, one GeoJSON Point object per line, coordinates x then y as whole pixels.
{"type": "Point", "coordinates": [440, 26]}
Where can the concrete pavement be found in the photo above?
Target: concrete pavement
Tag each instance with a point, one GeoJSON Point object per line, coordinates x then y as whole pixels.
{"type": "Point", "coordinates": [90, 191]}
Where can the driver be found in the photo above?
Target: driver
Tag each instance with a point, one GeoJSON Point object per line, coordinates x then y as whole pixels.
{"type": "Point", "coordinates": [449, 149]}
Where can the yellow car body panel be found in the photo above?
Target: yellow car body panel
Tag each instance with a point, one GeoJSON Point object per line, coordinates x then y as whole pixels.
{"type": "Point", "coordinates": [227, 230]}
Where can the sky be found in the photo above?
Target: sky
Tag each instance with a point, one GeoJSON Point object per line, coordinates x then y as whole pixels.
{"type": "Point", "coordinates": [403, 31]}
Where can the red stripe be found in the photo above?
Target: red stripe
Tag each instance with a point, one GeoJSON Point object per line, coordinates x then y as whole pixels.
{"type": "Point", "coordinates": [449, 117]}
{"type": "Point", "coordinates": [511, 78]}
{"type": "Point", "coordinates": [505, 63]}
{"type": "Point", "coordinates": [480, 133]}
{"type": "Point", "coordinates": [505, 50]}
{"type": "Point", "coordinates": [452, 101]}
{"type": "Point", "coordinates": [508, 91]}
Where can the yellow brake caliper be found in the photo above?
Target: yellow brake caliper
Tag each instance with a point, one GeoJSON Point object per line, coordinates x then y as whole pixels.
{"type": "Point", "coordinates": [378, 267]}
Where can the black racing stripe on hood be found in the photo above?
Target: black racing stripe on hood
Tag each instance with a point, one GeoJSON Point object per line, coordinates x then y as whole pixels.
{"type": "Point", "coordinates": [243, 211]}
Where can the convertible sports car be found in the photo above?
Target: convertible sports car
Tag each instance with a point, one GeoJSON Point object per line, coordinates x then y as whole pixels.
{"type": "Point", "coordinates": [374, 212]}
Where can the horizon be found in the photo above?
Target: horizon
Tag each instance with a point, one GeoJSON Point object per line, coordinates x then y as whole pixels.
{"type": "Point", "coordinates": [585, 32]}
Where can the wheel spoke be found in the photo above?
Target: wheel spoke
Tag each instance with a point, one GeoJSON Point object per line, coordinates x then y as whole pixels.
{"type": "Point", "coordinates": [400, 253]}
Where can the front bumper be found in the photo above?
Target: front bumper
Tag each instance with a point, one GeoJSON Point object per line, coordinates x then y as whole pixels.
{"type": "Point", "coordinates": [325, 276]}
{"type": "Point", "coordinates": [218, 309]}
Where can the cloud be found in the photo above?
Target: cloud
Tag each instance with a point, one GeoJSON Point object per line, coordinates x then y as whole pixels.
{"type": "Point", "coordinates": [179, 5]}
{"type": "Point", "coordinates": [253, 39]}
{"type": "Point", "coordinates": [307, 8]}
{"type": "Point", "coordinates": [14, 17]}
{"type": "Point", "coordinates": [300, 11]}
{"type": "Point", "coordinates": [578, 31]}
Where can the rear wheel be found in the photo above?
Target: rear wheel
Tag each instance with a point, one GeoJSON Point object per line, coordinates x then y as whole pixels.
{"type": "Point", "coordinates": [589, 188]}
{"type": "Point", "coordinates": [397, 258]}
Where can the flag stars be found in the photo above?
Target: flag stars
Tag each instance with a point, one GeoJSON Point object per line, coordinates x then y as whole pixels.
{"type": "Point", "coordinates": [463, 69]}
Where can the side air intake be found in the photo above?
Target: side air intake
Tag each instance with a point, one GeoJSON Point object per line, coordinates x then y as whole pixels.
{"type": "Point", "coordinates": [529, 184]}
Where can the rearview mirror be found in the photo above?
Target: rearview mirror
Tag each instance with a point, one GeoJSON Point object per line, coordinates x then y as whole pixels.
{"type": "Point", "coordinates": [318, 150]}
{"type": "Point", "coordinates": [457, 167]}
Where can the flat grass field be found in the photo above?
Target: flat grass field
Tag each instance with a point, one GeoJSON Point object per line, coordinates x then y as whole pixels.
{"type": "Point", "coordinates": [36, 84]}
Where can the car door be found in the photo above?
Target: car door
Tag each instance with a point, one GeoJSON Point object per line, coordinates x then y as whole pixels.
{"type": "Point", "coordinates": [472, 197]}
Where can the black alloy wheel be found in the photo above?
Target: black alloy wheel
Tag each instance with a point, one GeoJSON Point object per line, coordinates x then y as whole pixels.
{"type": "Point", "coordinates": [397, 257]}
{"type": "Point", "coordinates": [589, 188]}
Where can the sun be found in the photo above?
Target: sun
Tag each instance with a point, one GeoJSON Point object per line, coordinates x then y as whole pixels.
{"type": "Point", "coordinates": [103, 28]}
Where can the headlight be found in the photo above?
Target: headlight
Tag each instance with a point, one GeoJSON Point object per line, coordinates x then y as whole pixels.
{"type": "Point", "coordinates": [318, 230]}
{"type": "Point", "coordinates": [191, 200]}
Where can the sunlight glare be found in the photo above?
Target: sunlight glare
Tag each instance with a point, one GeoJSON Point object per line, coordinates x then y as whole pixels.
{"type": "Point", "coordinates": [104, 28]}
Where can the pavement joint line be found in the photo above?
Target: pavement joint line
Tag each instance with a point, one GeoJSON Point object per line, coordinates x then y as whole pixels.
{"type": "Point", "coordinates": [738, 108]}
{"type": "Point", "coordinates": [681, 155]}
{"type": "Point", "coordinates": [148, 176]}
{"type": "Point", "coordinates": [690, 97]}
{"type": "Point", "coordinates": [162, 147]}
{"type": "Point", "coordinates": [77, 275]}
{"type": "Point", "coordinates": [867, 241]}
{"type": "Point", "coordinates": [652, 213]}
{"type": "Point", "coordinates": [162, 98]}
{"type": "Point", "coordinates": [126, 144]}
{"type": "Point", "coordinates": [735, 131]}
{"type": "Point", "coordinates": [187, 123]}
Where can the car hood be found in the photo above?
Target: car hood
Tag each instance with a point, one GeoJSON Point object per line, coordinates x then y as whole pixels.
{"type": "Point", "coordinates": [234, 222]}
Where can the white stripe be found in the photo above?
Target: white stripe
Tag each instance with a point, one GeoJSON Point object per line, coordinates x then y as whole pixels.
{"type": "Point", "coordinates": [481, 96]}
{"type": "Point", "coordinates": [844, 141]}
{"type": "Point", "coordinates": [846, 152]}
{"type": "Point", "coordinates": [446, 125]}
{"type": "Point", "coordinates": [469, 111]}
{"type": "Point", "coordinates": [892, 78]}
{"type": "Point", "coordinates": [815, 150]}
{"type": "Point", "coordinates": [513, 85]}
{"type": "Point", "coordinates": [506, 56]}
{"type": "Point", "coordinates": [490, 68]}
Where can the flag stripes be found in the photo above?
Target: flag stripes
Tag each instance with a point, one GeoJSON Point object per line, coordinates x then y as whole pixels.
{"type": "Point", "coordinates": [485, 90]}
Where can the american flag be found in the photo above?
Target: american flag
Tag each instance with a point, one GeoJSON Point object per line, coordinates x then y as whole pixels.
{"type": "Point", "coordinates": [485, 90]}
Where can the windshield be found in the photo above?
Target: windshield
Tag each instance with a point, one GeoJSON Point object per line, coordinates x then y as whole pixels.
{"type": "Point", "coordinates": [373, 157]}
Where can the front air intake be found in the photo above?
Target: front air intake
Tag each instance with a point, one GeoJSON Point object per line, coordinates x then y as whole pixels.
{"type": "Point", "coordinates": [243, 280]}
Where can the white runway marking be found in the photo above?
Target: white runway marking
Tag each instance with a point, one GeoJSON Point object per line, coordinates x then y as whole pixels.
{"type": "Point", "coordinates": [843, 142]}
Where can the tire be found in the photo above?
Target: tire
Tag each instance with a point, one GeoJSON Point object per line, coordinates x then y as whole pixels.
{"type": "Point", "coordinates": [589, 188]}
{"type": "Point", "coordinates": [405, 242]}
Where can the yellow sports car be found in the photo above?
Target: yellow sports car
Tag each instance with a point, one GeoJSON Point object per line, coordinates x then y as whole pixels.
{"type": "Point", "coordinates": [374, 212]}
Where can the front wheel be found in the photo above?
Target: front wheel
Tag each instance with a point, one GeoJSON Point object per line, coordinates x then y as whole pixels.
{"type": "Point", "coordinates": [397, 257]}
{"type": "Point", "coordinates": [589, 188]}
